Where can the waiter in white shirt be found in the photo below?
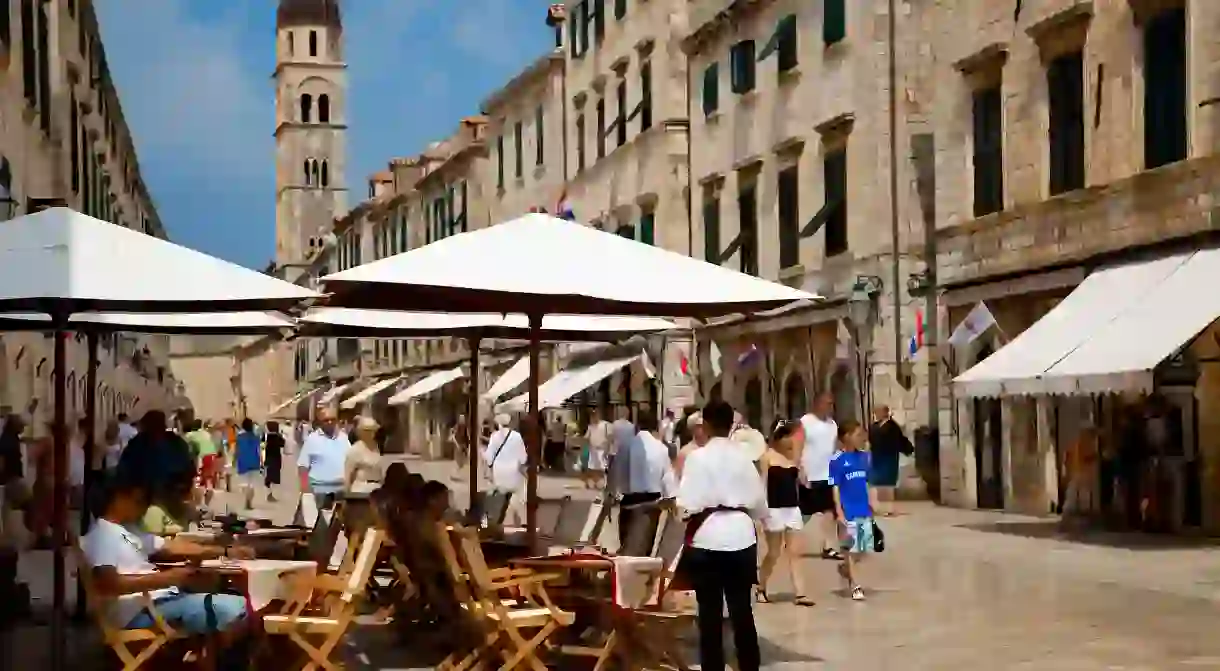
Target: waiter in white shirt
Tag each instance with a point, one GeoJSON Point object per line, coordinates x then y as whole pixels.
{"type": "Point", "coordinates": [722, 495]}
{"type": "Point", "coordinates": [643, 476]}
{"type": "Point", "coordinates": [817, 495]}
{"type": "Point", "coordinates": [507, 459]}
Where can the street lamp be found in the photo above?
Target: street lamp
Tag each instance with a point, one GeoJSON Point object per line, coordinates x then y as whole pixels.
{"type": "Point", "coordinates": [861, 304]}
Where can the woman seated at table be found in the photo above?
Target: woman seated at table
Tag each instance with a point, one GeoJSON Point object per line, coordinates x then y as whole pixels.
{"type": "Point", "coordinates": [172, 512]}
{"type": "Point", "coordinates": [123, 571]}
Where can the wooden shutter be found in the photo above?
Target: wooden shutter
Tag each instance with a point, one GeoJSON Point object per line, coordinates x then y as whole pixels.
{"type": "Point", "coordinates": [711, 89]}
{"type": "Point", "coordinates": [834, 21]}
{"type": "Point", "coordinates": [1165, 100]}
{"type": "Point", "coordinates": [1065, 85]}
{"type": "Point", "coordinates": [834, 169]}
{"type": "Point", "coordinates": [741, 66]}
{"type": "Point", "coordinates": [788, 213]}
{"type": "Point", "coordinates": [711, 229]}
{"type": "Point", "coordinates": [988, 152]}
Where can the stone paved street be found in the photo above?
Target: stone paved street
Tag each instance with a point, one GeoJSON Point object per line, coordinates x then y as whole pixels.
{"type": "Point", "coordinates": [955, 589]}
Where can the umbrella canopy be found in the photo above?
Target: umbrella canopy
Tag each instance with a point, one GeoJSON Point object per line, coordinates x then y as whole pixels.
{"type": "Point", "coordinates": [61, 260]}
{"type": "Point", "coordinates": [222, 323]}
{"type": "Point", "coordinates": [538, 264]}
{"type": "Point", "coordinates": [352, 323]}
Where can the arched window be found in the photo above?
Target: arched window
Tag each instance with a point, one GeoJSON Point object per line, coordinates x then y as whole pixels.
{"type": "Point", "coordinates": [313, 169]}
{"type": "Point", "coordinates": [307, 177]}
{"type": "Point", "coordinates": [323, 108]}
{"type": "Point", "coordinates": [313, 43]}
{"type": "Point", "coordinates": [306, 107]}
{"type": "Point", "coordinates": [325, 173]}
{"type": "Point", "coordinates": [794, 391]}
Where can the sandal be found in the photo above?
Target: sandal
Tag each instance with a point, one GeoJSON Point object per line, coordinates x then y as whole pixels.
{"type": "Point", "coordinates": [828, 553]}
{"type": "Point", "coordinates": [804, 601]}
{"type": "Point", "coordinates": [760, 596]}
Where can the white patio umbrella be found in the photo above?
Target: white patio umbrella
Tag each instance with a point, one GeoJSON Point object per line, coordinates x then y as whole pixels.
{"type": "Point", "coordinates": [539, 265]}
{"type": "Point", "coordinates": [169, 323]}
{"type": "Point", "coordinates": [354, 323]}
{"type": "Point", "coordinates": [60, 262]}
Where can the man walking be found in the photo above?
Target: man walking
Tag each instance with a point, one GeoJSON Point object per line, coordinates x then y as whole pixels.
{"type": "Point", "coordinates": [817, 495]}
{"type": "Point", "coordinates": [507, 459]}
{"type": "Point", "coordinates": [322, 458]}
{"type": "Point", "coordinates": [644, 475]}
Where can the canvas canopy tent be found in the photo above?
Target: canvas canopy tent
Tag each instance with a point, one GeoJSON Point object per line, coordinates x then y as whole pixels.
{"type": "Point", "coordinates": [539, 265]}
{"type": "Point", "coordinates": [567, 383]}
{"type": "Point", "coordinates": [511, 379]}
{"type": "Point", "coordinates": [369, 392]}
{"type": "Point", "coordinates": [427, 385]}
{"type": "Point", "coordinates": [61, 262]}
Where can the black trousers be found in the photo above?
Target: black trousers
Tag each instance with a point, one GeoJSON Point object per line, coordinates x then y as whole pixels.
{"type": "Point", "coordinates": [719, 579]}
{"type": "Point", "coordinates": [627, 515]}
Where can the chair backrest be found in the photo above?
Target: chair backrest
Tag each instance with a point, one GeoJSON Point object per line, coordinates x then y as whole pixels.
{"type": "Point", "coordinates": [550, 511]}
{"type": "Point", "coordinates": [307, 510]}
{"type": "Point", "coordinates": [321, 540]}
{"type": "Point", "coordinates": [641, 532]}
{"type": "Point", "coordinates": [366, 558]}
{"type": "Point", "coordinates": [495, 507]}
{"type": "Point", "coordinates": [573, 519]}
{"type": "Point", "coordinates": [670, 541]}
{"type": "Point", "coordinates": [471, 557]}
{"type": "Point", "coordinates": [598, 512]}
{"type": "Point", "coordinates": [93, 601]}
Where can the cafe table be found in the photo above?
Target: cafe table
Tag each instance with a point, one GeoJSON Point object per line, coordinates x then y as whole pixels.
{"type": "Point", "coordinates": [263, 580]}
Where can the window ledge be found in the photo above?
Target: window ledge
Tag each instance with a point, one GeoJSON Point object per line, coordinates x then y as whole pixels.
{"type": "Point", "coordinates": [539, 170]}
{"type": "Point", "coordinates": [789, 76]}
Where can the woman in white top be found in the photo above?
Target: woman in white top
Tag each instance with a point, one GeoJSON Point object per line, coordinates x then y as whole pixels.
{"type": "Point", "coordinates": [362, 465]}
{"type": "Point", "coordinates": [721, 495]}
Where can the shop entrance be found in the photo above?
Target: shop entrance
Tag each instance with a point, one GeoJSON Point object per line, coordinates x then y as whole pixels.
{"type": "Point", "coordinates": [988, 447]}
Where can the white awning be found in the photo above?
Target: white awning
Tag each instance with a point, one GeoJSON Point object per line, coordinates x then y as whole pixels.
{"type": "Point", "coordinates": [334, 392]}
{"type": "Point", "coordinates": [285, 404]}
{"type": "Point", "coordinates": [369, 393]}
{"type": "Point", "coordinates": [1109, 333]}
{"type": "Point", "coordinates": [427, 385]}
{"type": "Point", "coordinates": [566, 384]}
{"type": "Point", "coordinates": [510, 380]}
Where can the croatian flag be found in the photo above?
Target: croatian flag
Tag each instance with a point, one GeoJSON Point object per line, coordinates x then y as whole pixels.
{"type": "Point", "coordinates": [563, 209]}
{"type": "Point", "coordinates": [749, 357]}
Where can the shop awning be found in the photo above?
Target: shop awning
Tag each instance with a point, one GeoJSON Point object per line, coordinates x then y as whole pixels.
{"type": "Point", "coordinates": [568, 383]}
{"type": "Point", "coordinates": [427, 385]}
{"type": "Point", "coordinates": [510, 380]}
{"type": "Point", "coordinates": [369, 393]}
{"type": "Point", "coordinates": [1109, 334]}
{"type": "Point", "coordinates": [334, 392]}
{"type": "Point", "coordinates": [292, 401]}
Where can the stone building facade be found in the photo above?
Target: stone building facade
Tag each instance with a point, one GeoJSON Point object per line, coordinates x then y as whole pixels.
{"type": "Point", "coordinates": [791, 151]}
{"type": "Point", "coordinates": [64, 140]}
{"type": "Point", "coordinates": [1071, 135]}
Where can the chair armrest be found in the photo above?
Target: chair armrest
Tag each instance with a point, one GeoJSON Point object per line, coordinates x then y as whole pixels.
{"type": "Point", "coordinates": [530, 579]}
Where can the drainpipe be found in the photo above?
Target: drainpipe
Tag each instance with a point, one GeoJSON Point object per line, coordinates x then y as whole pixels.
{"type": "Point", "coordinates": [896, 278]}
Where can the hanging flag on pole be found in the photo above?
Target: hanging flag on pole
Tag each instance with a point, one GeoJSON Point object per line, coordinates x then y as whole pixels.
{"type": "Point", "coordinates": [974, 325]}
{"type": "Point", "coordinates": [919, 328]}
{"type": "Point", "coordinates": [684, 364]}
{"type": "Point", "coordinates": [563, 208]}
{"type": "Point", "coordinates": [646, 363]}
{"type": "Point", "coordinates": [715, 355]}
{"type": "Point", "coordinates": [749, 357]}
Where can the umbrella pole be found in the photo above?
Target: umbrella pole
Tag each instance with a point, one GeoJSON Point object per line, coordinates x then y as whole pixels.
{"type": "Point", "coordinates": [60, 497]}
{"type": "Point", "coordinates": [534, 437]}
{"type": "Point", "coordinates": [472, 420]}
{"type": "Point", "coordinates": [90, 446]}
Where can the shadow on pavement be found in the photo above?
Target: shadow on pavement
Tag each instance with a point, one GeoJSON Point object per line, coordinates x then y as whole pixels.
{"type": "Point", "coordinates": [1126, 540]}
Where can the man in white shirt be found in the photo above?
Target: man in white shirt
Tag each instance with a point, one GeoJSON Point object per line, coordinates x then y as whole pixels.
{"type": "Point", "coordinates": [323, 459]}
{"type": "Point", "coordinates": [507, 460]}
{"type": "Point", "coordinates": [721, 495]}
{"type": "Point", "coordinates": [126, 430]}
{"type": "Point", "coordinates": [643, 476]}
{"type": "Point", "coordinates": [122, 572]}
{"type": "Point", "coordinates": [817, 495]}
{"type": "Point", "coordinates": [597, 440]}
{"type": "Point", "coordinates": [698, 438]}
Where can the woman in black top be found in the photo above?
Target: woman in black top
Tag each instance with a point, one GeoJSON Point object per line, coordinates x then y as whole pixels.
{"type": "Point", "coordinates": [783, 522]}
{"type": "Point", "coordinates": [273, 458]}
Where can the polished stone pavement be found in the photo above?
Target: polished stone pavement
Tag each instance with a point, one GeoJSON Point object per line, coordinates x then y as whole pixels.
{"type": "Point", "coordinates": [954, 589]}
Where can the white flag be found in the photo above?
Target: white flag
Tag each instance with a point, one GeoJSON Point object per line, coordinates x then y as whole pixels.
{"type": "Point", "coordinates": [646, 363]}
{"type": "Point", "coordinates": [714, 354]}
{"type": "Point", "coordinates": [974, 325]}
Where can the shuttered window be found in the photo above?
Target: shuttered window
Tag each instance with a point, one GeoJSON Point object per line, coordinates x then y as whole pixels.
{"type": "Point", "coordinates": [1065, 85]}
{"type": "Point", "coordinates": [747, 211]}
{"type": "Point", "coordinates": [1165, 101]}
{"type": "Point", "coordinates": [711, 226]}
{"type": "Point", "coordinates": [834, 172]}
{"type": "Point", "coordinates": [741, 67]}
{"type": "Point", "coordinates": [988, 151]}
{"type": "Point", "coordinates": [711, 89]}
{"type": "Point", "coordinates": [648, 226]}
{"type": "Point", "coordinates": [788, 215]}
{"type": "Point", "coordinates": [834, 21]}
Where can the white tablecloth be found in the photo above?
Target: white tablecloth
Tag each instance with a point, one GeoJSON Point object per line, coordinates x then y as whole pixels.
{"type": "Point", "coordinates": [635, 581]}
{"type": "Point", "coordinates": [264, 577]}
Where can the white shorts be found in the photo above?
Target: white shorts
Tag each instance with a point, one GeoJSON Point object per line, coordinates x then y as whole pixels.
{"type": "Point", "coordinates": [597, 460]}
{"type": "Point", "coordinates": [783, 519]}
{"type": "Point", "coordinates": [252, 479]}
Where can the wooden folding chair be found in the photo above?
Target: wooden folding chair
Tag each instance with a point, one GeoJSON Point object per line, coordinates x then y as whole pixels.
{"type": "Point", "coordinates": [512, 603]}
{"type": "Point", "coordinates": [330, 626]}
{"type": "Point", "coordinates": [124, 641]}
{"type": "Point", "coordinates": [580, 523]}
{"type": "Point", "coordinates": [641, 537]}
{"type": "Point", "coordinates": [550, 513]}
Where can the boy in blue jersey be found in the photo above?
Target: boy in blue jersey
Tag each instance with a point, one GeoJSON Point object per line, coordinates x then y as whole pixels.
{"type": "Point", "coordinates": [854, 501]}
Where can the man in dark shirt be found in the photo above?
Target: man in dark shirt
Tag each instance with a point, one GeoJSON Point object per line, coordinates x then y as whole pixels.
{"type": "Point", "coordinates": [157, 457]}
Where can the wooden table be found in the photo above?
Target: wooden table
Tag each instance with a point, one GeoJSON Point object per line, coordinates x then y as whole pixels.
{"type": "Point", "coordinates": [263, 578]}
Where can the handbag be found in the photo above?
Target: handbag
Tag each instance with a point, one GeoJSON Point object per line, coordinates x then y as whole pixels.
{"type": "Point", "coordinates": [878, 538]}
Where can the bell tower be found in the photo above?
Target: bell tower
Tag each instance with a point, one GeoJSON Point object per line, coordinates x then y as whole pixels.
{"type": "Point", "coordinates": [310, 126]}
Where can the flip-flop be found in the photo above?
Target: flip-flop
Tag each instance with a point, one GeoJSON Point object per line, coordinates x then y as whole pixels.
{"type": "Point", "coordinates": [831, 554]}
{"type": "Point", "coordinates": [804, 601]}
{"type": "Point", "coordinates": [760, 596]}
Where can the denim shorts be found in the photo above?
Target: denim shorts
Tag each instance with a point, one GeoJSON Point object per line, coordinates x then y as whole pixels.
{"type": "Point", "coordinates": [858, 536]}
{"type": "Point", "coordinates": [195, 614]}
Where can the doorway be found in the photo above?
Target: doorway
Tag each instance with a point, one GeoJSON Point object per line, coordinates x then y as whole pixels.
{"type": "Point", "coordinates": [988, 447]}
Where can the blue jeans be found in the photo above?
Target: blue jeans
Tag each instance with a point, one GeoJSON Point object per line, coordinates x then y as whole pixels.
{"type": "Point", "coordinates": [196, 614]}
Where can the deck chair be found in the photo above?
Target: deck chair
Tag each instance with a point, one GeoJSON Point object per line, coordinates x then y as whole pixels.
{"type": "Point", "coordinates": [516, 631]}
{"type": "Point", "coordinates": [328, 627]}
{"type": "Point", "coordinates": [123, 642]}
{"type": "Point", "coordinates": [571, 523]}
{"type": "Point", "coordinates": [641, 536]}
{"type": "Point", "coordinates": [550, 513]}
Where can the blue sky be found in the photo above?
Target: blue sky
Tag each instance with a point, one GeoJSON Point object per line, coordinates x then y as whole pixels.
{"type": "Point", "coordinates": [194, 78]}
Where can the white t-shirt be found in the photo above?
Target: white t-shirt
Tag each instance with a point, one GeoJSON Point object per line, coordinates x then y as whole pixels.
{"type": "Point", "coordinates": [109, 544]}
{"type": "Point", "coordinates": [821, 441]}
{"type": "Point", "coordinates": [598, 434]}
{"type": "Point", "coordinates": [126, 433]}
{"type": "Point", "coordinates": [507, 458]}
{"type": "Point", "coordinates": [721, 475]}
